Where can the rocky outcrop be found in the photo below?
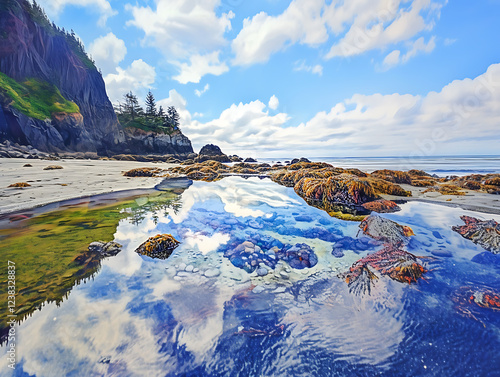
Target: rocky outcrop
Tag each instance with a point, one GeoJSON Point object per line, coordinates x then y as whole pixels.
{"type": "Point", "coordinates": [212, 152]}
{"type": "Point", "coordinates": [32, 48]}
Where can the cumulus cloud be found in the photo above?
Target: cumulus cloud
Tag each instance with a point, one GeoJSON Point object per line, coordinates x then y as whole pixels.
{"type": "Point", "coordinates": [384, 24]}
{"type": "Point", "coordinates": [139, 75]}
{"type": "Point", "coordinates": [199, 93]}
{"type": "Point", "coordinates": [108, 51]}
{"type": "Point", "coordinates": [417, 47]}
{"type": "Point", "coordinates": [199, 66]}
{"type": "Point", "coordinates": [263, 35]}
{"type": "Point", "coordinates": [396, 124]}
{"type": "Point", "coordinates": [181, 28]}
{"type": "Point", "coordinates": [273, 102]}
{"type": "Point", "coordinates": [300, 65]}
{"type": "Point", "coordinates": [353, 27]}
{"type": "Point", "coordinates": [103, 7]}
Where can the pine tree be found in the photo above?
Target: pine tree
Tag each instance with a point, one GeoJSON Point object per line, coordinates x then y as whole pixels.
{"type": "Point", "coordinates": [131, 106]}
{"type": "Point", "coordinates": [160, 114]}
{"type": "Point", "coordinates": [150, 105]}
{"type": "Point", "coordinates": [173, 117]}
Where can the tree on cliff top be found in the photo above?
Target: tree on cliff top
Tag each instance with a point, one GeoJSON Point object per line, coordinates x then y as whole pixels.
{"type": "Point", "coordinates": [150, 106]}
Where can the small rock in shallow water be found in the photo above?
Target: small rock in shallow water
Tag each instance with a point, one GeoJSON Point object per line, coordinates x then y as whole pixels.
{"type": "Point", "coordinates": [189, 268]}
{"type": "Point", "coordinates": [258, 289]}
{"type": "Point", "coordinates": [441, 253]}
{"type": "Point", "coordinates": [182, 266]}
{"type": "Point", "coordinates": [212, 273]}
{"type": "Point", "coordinates": [261, 271]}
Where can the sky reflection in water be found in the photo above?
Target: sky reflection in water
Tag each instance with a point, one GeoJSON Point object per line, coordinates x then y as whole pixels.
{"type": "Point", "coordinates": [142, 316]}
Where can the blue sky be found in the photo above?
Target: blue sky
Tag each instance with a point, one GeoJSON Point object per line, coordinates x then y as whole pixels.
{"type": "Point", "coordinates": [277, 78]}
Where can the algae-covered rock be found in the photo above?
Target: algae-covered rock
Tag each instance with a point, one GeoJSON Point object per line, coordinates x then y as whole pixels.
{"type": "Point", "coordinates": [160, 246]}
{"type": "Point", "coordinates": [483, 233]}
{"type": "Point", "coordinates": [385, 230]}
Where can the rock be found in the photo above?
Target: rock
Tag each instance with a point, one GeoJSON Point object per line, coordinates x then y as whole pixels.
{"type": "Point", "coordinates": [235, 158]}
{"type": "Point", "coordinates": [381, 206]}
{"type": "Point", "coordinates": [182, 266]}
{"type": "Point", "coordinates": [212, 273]}
{"type": "Point", "coordinates": [442, 253]}
{"type": "Point", "coordinates": [380, 228]}
{"type": "Point", "coordinates": [142, 172]}
{"type": "Point", "coordinates": [212, 152]}
{"type": "Point", "coordinates": [189, 268]}
{"type": "Point", "coordinates": [160, 246]}
{"type": "Point", "coordinates": [105, 249]}
{"type": "Point", "coordinates": [20, 185]}
{"type": "Point", "coordinates": [258, 289]}
{"type": "Point", "coordinates": [249, 159]}
{"type": "Point", "coordinates": [27, 166]}
{"type": "Point", "coordinates": [483, 233]}
{"type": "Point", "coordinates": [52, 167]}
{"type": "Point", "coordinates": [261, 271]}
{"type": "Point", "coordinates": [299, 256]}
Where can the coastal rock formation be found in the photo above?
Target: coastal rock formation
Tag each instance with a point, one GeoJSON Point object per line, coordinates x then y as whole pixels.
{"type": "Point", "coordinates": [212, 152]}
{"type": "Point", "coordinates": [60, 102]}
{"type": "Point", "coordinates": [160, 246]}
{"type": "Point", "coordinates": [483, 233]}
{"type": "Point", "coordinates": [142, 172]}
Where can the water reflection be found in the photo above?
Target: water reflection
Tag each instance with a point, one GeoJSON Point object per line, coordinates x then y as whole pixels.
{"type": "Point", "coordinates": [198, 314]}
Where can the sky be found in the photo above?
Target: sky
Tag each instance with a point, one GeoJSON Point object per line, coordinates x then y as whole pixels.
{"type": "Point", "coordinates": [315, 78]}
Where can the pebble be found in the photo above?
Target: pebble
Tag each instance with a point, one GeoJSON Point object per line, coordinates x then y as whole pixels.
{"type": "Point", "coordinates": [284, 274]}
{"type": "Point", "coordinates": [182, 274]}
{"type": "Point", "coordinates": [212, 272]}
{"type": "Point", "coordinates": [258, 289]}
{"type": "Point", "coordinates": [189, 268]}
{"type": "Point", "coordinates": [196, 269]}
{"type": "Point", "coordinates": [182, 266]}
{"type": "Point", "coordinates": [261, 271]}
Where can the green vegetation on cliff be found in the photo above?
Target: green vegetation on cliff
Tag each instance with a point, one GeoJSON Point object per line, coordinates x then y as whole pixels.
{"type": "Point", "coordinates": [35, 98]}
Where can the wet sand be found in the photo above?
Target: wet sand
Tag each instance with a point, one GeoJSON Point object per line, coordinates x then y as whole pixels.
{"type": "Point", "coordinates": [78, 178]}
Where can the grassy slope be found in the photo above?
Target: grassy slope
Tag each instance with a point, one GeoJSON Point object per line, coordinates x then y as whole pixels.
{"type": "Point", "coordinates": [35, 98]}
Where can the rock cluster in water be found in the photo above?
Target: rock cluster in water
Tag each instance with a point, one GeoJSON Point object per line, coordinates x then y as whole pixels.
{"type": "Point", "coordinates": [105, 249]}
{"type": "Point", "coordinates": [483, 233]}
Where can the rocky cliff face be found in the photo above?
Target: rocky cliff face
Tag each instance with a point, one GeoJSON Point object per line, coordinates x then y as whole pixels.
{"type": "Point", "coordinates": [30, 49]}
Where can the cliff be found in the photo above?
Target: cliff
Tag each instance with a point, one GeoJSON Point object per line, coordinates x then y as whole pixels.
{"type": "Point", "coordinates": [32, 50]}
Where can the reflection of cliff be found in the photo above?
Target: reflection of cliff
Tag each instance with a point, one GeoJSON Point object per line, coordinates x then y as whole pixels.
{"type": "Point", "coordinates": [50, 250]}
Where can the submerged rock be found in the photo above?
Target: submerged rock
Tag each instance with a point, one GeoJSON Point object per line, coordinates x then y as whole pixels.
{"type": "Point", "coordinates": [160, 246]}
{"type": "Point", "coordinates": [483, 233]}
{"type": "Point", "coordinates": [105, 249]}
{"type": "Point", "coordinates": [385, 230]}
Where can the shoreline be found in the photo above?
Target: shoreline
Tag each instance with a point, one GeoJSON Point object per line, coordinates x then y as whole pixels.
{"type": "Point", "coordinates": [83, 178]}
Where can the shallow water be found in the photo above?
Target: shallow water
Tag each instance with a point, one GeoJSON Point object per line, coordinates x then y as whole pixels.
{"type": "Point", "coordinates": [201, 313]}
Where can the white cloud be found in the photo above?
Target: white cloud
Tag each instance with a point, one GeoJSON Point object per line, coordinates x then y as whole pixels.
{"type": "Point", "coordinates": [139, 75]}
{"type": "Point", "coordinates": [199, 93]}
{"type": "Point", "coordinates": [264, 35]}
{"type": "Point", "coordinates": [103, 7]}
{"type": "Point", "coordinates": [108, 51]}
{"type": "Point", "coordinates": [300, 65]}
{"type": "Point", "coordinates": [395, 58]}
{"type": "Point", "coordinates": [273, 102]}
{"type": "Point", "coordinates": [180, 28]}
{"type": "Point", "coordinates": [383, 24]}
{"type": "Point", "coordinates": [449, 41]}
{"type": "Point", "coordinates": [396, 124]}
{"type": "Point", "coordinates": [353, 27]}
{"type": "Point", "coordinates": [199, 66]}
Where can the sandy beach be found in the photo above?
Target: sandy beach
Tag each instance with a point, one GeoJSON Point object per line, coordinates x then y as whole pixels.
{"type": "Point", "coordinates": [78, 178]}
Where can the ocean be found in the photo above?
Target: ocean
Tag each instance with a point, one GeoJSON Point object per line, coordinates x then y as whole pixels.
{"type": "Point", "coordinates": [439, 165]}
